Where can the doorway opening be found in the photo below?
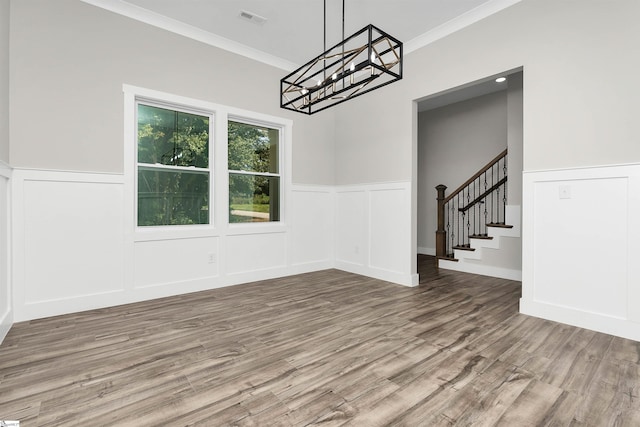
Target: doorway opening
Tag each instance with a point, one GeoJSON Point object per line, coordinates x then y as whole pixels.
{"type": "Point", "coordinates": [460, 131]}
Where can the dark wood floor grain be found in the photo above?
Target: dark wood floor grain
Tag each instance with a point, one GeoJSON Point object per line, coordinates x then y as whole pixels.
{"type": "Point", "coordinates": [327, 348]}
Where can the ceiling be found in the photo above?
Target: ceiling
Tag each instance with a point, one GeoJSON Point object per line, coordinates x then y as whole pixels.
{"type": "Point", "coordinates": [292, 30]}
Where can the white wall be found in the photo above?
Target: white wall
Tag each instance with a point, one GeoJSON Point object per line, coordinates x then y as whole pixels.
{"type": "Point", "coordinates": [581, 264]}
{"type": "Point", "coordinates": [454, 142]}
{"type": "Point", "coordinates": [575, 115]}
{"type": "Point", "coordinates": [73, 251]}
{"type": "Point", "coordinates": [6, 305]}
{"type": "Point", "coordinates": [4, 81]}
{"type": "Point", "coordinates": [371, 231]}
{"type": "Point", "coordinates": [579, 60]}
{"type": "Point", "coordinates": [6, 313]}
{"type": "Point", "coordinates": [73, 241]}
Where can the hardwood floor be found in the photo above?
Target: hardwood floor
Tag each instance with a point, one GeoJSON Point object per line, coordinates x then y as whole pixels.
{"type": "Point", "coordinates": [327, 348]}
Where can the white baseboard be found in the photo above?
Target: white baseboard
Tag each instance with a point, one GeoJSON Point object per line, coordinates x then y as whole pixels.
{"type": "Point", "coordinates": [484, 270]}
{"type": "Point", "coordinates": [582, 319]}
{"type": "Point", "coordinates": [309, 267]}
{"type": "Point", "coordinates": [410, 280]}
{"type": "Point", "coordinates": [5, 324]}
{"type": "Point", "coordinates": [426, 251]}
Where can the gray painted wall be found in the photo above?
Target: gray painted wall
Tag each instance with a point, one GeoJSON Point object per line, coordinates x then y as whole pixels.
{"type": "Point", "coordinates": [454, 142]}
{"type": "Point", "coordinates": [514, 138]}
{"type": "Point", "coordinates": [70, 59]}
{"type": "Point", "coordinates": [4, 81]}
{"type": "Point", "coordinates": [579, 58]}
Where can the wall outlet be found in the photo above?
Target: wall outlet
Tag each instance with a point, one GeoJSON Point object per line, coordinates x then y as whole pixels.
{"type": "Point", "coordinates": [564, 192]}
{"type": "Point", "coordinates": [212, 258]}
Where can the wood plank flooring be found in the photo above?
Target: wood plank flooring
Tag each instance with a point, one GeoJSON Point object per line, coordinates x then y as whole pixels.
{"type": "Point", "coordinates": [327, 348]}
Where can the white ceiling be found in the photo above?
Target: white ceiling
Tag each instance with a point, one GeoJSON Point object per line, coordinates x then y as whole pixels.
{"type": "Point", "coordinates": [293, 31]}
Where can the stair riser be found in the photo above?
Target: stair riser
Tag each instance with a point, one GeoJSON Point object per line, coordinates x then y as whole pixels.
{"type": "Point", "coordinates": [474, 265]}
{"type": "Point", "coordinates": [485, 243]}
{"type": "Point", "coordinates": [460, 255]}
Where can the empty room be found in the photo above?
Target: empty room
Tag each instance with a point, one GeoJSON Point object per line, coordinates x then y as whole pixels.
{"type": "Point", "coordinates": [322, 212]}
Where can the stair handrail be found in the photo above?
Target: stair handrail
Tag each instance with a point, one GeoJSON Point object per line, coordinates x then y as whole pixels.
{"type": "Point", "coordinates": [477, 174]}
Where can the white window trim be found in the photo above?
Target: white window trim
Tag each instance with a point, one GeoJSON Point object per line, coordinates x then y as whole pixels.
{"type": "Point", "coordinates": [219, 173]}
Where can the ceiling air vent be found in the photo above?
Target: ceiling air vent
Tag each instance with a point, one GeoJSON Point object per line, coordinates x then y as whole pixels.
{"type": "Point", "coordinates": [250, 16]}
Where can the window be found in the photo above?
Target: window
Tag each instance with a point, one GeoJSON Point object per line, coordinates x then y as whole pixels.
{"type": "Point", "coordinates": [173, 166]}
{"type": "Point", "coordinates": [254, 173]}
{"type": "Point", "coordinates": [181, 184]}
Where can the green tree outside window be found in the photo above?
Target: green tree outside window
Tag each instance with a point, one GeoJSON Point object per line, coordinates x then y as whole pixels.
{"type": "Point", "coordinates": [173, 167]}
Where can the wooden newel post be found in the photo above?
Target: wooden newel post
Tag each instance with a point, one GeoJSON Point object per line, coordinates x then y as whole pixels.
{"type": "Point", "coordinates": [441, 233]}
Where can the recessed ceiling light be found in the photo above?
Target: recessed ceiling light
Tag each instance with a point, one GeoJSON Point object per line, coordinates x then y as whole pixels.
{"type": "Point", "coordinates": [501, 79]}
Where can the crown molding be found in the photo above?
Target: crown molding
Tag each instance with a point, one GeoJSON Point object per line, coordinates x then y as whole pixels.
{"type": "Point", "coordinates": [458, 23]}
{"type": "Point", "coordinates": [129, 10]}
{"type": "Point", "coordinates": [157, 20]}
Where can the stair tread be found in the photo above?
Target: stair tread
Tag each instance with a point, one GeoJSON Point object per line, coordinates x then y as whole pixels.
{"type": "Point", "coordinates": [447, 258]}
{"type": "Point", "coordinates": [464, 248]}
{"type": "Point", "coordinates": [483, 237]}
{"type": "Point", "coordinates": [499, 225]}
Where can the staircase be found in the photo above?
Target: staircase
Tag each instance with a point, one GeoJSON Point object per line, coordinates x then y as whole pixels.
{"type": "Point", "coordinates": [492, 255]}
{"type": "Point", "coordinates": [477, 231]}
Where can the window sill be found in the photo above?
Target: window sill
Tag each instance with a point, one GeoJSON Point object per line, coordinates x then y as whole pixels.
{"type": "Point", "coordinates": [256, 228]}
{"type": "Point", "coordinates": [146, 234]}
{"type": "Point", "coordinates": [150, 234]}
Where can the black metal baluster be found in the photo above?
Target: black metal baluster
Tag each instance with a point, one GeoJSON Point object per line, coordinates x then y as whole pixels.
{"type": "Point", "coordinates": [447, 246]}
{"type": "Point", "coordinates": [458, 219]}
{"type": "Point", "coordinates": [504, 194]}
{"type": "Point", "coordinates": [453, 224]}
{"type": "Point", "coordinates": [493, 209]}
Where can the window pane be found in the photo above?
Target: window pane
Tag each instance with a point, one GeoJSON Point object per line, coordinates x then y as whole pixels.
{"type": "Point", "coordinates": [253, 148]}
{"type": "Point", "coordinates": [253, 198]}
{"type": "Point", "coordinates": [174, 138]}
{"type": "Point", "coordinates": [172, 198]}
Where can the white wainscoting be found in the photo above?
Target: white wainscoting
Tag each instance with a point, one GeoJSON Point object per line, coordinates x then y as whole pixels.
{"type": "Point", "coordinates": [581, 229]}
{"type": "Point", "coordinates": [312, 221]}
{"type": "Point", "coordinates": [175, 262]}
{"type": "Point", "coordinates": [68, 240]}
{"type": "Point", "coordinates": [373, 231]}
{"type": "Point", "coordinates": [6, 312]}
{"type": "Point", "coordinates": [74, 250]}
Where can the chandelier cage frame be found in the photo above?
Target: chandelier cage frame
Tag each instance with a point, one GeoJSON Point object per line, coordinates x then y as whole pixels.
{"type": "Point", "coordinates": [365, 61]}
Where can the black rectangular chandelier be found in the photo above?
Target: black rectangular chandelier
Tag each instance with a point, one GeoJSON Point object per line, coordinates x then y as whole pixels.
{"type": "Point", "coordinates": [367, 60]}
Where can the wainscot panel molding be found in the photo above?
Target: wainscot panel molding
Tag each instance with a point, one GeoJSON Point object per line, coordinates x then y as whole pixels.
{"type": "Point", "coordinates": [580, 251]}
{"type": "Point", "coordinates": [74, 249]}
{"type": "Point", "coordinates": [311, 241]}
{"type": "Point", "coordinates": [68, 240]}
{"type": "Point", "coordinates": [6, 305]}
{"type": "Point", "coordinates": [373, 235]}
